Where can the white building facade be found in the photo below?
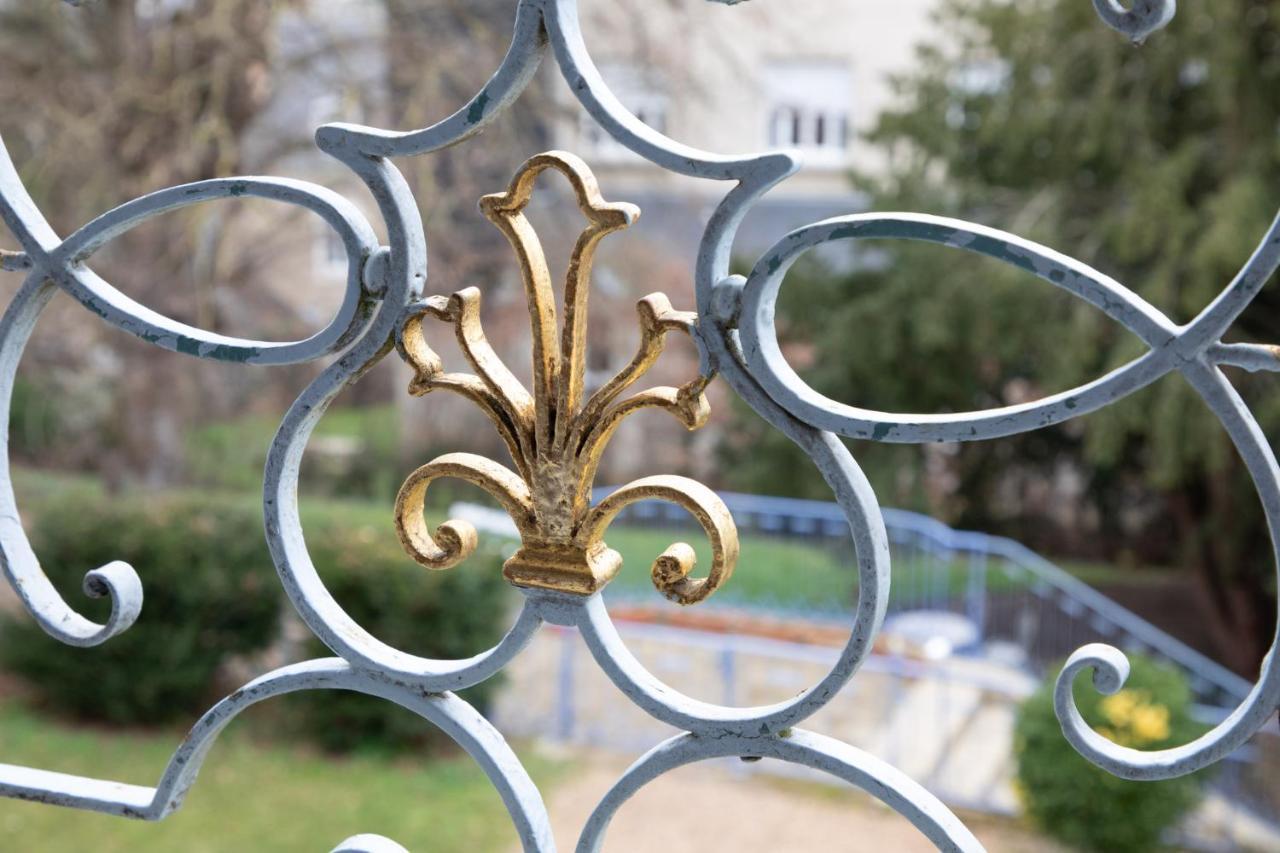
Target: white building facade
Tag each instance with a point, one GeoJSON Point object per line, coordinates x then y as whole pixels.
{"type": "Point", "coordinates": [807, 75]}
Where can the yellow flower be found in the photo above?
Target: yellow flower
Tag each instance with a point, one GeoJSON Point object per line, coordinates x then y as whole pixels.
{"type": "Point", "coordinates": [1119, 708]}
{"type": "Point", "coordinates": [1150, 723]}
{"type": "Point", "coordinates": [1134, 718]}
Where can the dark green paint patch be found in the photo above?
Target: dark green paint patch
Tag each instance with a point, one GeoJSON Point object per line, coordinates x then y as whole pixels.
{"type": "Point", "coordinates": [235, 355]}
{"type": "Point", "coordinates": [218, 352]}
{"type": "Point", "coordinates": [476, 113]}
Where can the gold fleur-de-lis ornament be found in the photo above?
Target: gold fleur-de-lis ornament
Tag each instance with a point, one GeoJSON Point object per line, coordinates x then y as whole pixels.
{"type": "Point", "coordinates": [555, 438]}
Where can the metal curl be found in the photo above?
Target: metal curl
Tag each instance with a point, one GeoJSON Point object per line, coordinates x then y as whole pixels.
{"type": "Point", "coordinates": [116, 580]}
{"type": "Point", "coordinates": [591, 90]}
{"type": "Point", "coordinates": [62, 261]}
{"type": "Point", "coordinates": [763, 355]}
{"type": "Point", "coordinates": [54, 263]}
{"type": "Point", "coordinates": [405, 277]}
{"type": "Point", "coordinates": [369, 844]}
{"type": "Point", "coordinates": [671, 570]}
{"type": "Point", "coordinates": [18, 560]}
{"type": "Point", "coordinates": [1142, 19]}
{"type": "Point", "coordinates": [1111, 667]}
{"type": "Point", "coordinates": [528, 45]}
{"type": "Point", "coordinates": [807, 749]}
{"type": "Point", "coordinates": [454, 540]}
{"type": "Point", "coordinates": [453, 716]}
{"type": "Point", "coordinates": [119, 582]}
{"type": "Point", "coordinates": [814, 423]}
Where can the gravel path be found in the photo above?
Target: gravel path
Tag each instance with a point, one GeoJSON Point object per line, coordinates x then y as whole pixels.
{"type": "Point", "coordinates": [709, 808]}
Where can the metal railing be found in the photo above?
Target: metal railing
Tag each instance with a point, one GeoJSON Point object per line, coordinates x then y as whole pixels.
{"type": "Point", "coordinates": [1034, 607]}
{"type": "Point", "coordinates": [965, 752]}
{"type": "Point", "coordinates": [949, 722]}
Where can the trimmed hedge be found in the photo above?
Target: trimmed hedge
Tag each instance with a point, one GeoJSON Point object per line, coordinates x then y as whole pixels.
{"type": "Point", "coordinates": [452, 614]}
{"type": "Point", "coordinates": [209, 592]}
{"type": "Point", "coordinates": [1086, 807]}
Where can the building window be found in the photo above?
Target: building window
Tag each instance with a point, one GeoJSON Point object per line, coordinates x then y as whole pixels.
{"type": "Point", "coordinates": [644, 94]}
{"type": "Point", "coordinates": [809, 108]}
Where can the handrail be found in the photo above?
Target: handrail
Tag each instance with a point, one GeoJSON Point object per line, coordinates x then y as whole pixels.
{"type": "Point", "coordinates": [748, 508]}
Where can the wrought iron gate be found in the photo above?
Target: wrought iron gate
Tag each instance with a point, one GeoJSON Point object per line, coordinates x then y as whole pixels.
{"type": "Point", "coordinates": [555, 438]}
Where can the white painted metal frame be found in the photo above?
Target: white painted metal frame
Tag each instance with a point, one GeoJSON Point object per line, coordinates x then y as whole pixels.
{"type": "Point", "coordinates": [736, 339]}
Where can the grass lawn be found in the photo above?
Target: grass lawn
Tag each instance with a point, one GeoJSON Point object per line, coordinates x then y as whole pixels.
{"type": "Point", "coordinates": [230, 454]}
{"type": "Point", "coordinates": [769, 570]}
{"type": "Point", "coordinates": [790, 574]}
{"type": "Point", "coordinates": [252, 794]}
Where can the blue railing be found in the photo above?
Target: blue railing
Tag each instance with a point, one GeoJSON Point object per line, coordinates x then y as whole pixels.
{"type": "Point", "coordinates": [1020, 603]}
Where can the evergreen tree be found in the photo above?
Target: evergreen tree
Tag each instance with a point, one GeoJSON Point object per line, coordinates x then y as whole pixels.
{"type": "Point", "coordinates": [1158, 165]}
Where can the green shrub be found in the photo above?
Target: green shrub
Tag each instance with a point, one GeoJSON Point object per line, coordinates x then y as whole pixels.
{"type": "Point", "coordinates": [353, 454]}
{"type": "Point", "coordinates": [34, 422]}
{"type": "Point", "coordinates": [452, 614]}
{"type": "Point", "coordinates": [211, 592]}
{"type": "Point", "coordinates": [1084, 806]}
{"type": "Point", "coordinates": [209, 589]}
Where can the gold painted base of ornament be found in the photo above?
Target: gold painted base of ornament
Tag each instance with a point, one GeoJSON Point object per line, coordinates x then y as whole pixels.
{"type": "Point", "coordinates": [564, 568]}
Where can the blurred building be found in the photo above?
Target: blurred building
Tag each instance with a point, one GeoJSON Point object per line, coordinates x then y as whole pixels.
{"type": "Point", "coordinates": [332, 65]}
{"type": "Point", "coordinates": [811, 76]}
{"type": "Point", "coordinates": [808, 75]}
